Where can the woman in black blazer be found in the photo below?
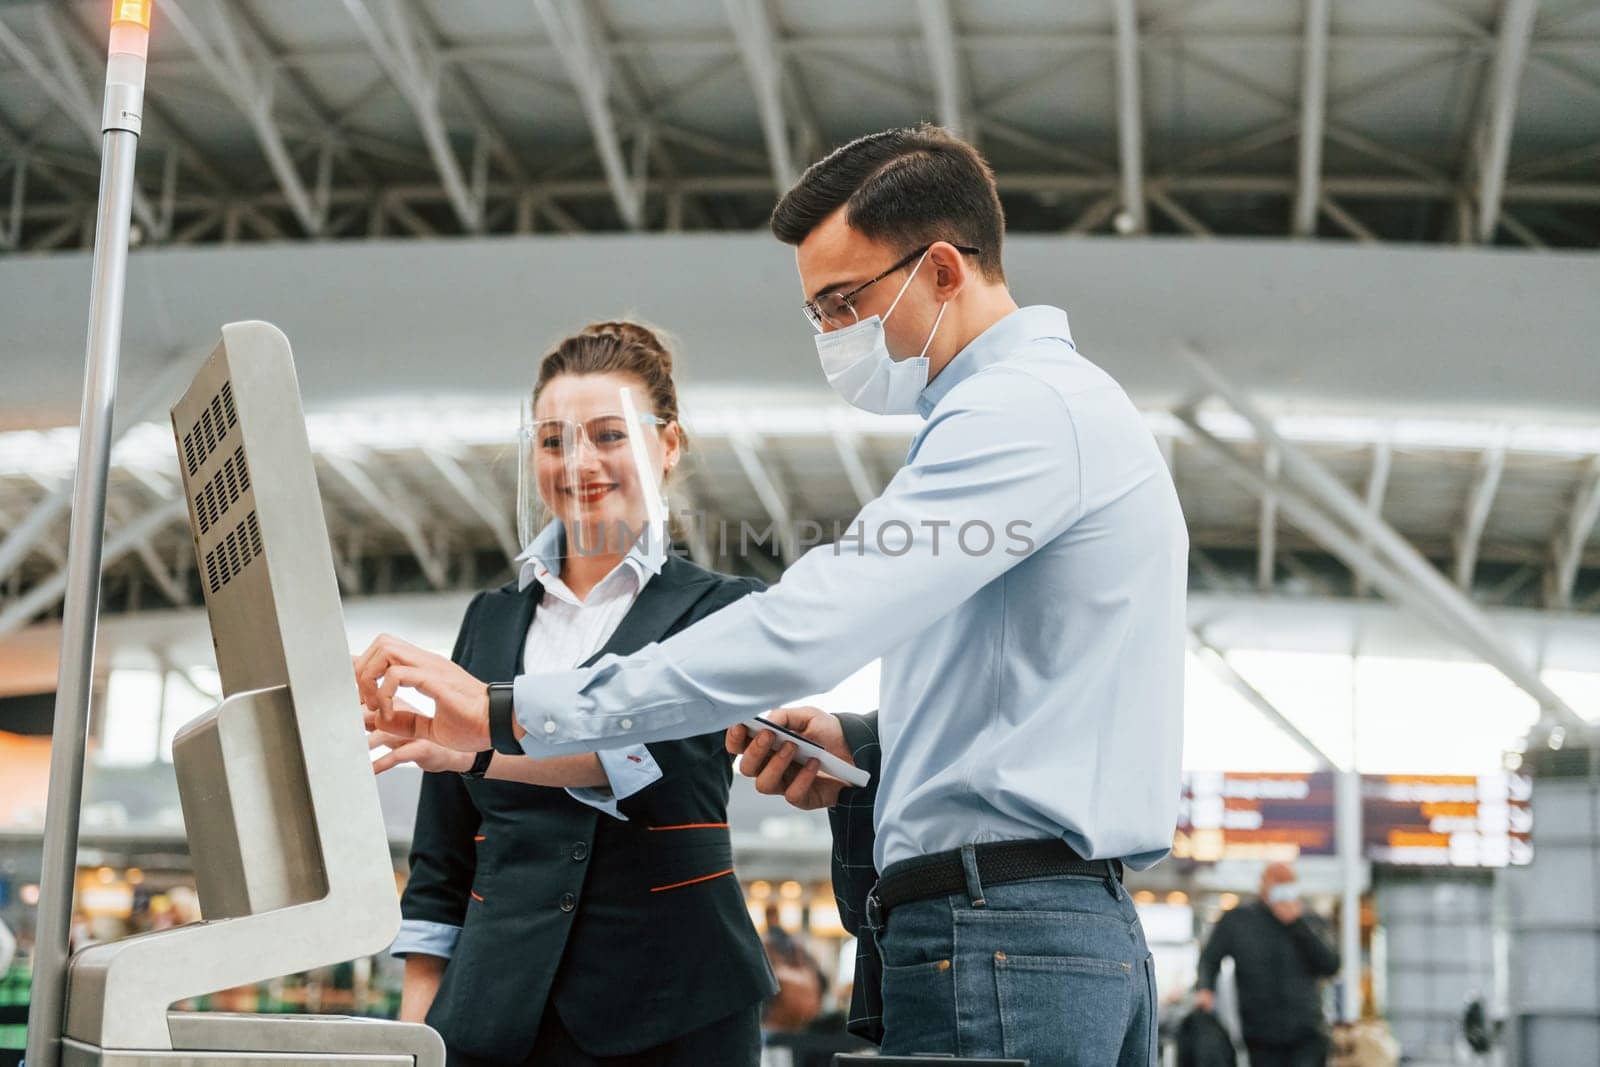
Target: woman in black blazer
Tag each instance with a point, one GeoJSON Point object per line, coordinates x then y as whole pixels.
{"type": "Point", "coordinates": [600, 923]}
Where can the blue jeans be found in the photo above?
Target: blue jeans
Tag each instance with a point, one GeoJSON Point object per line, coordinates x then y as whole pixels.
{"type": "Point", "coordinates": [1054, 970]}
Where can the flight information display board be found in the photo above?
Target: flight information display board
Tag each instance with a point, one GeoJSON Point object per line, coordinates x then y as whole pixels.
{"type": "Point", "coordinates": [1446, 820]}
{"type": "Point", "coordinates": [1255, 816]}
{"type": "Point", "coordinates": [1407, 820]}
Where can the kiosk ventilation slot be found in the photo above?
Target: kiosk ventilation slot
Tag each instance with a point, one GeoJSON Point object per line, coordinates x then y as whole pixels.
{"type": "Point", "coordinates": [221, 491]}
{"type": "Point", "coordinates": [233, 553]}
{"type": "Point", "coordinates": [216, 419]}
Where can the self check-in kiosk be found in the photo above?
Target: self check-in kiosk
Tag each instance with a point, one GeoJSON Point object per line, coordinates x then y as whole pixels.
{"type": "Point", "coordinates": [290, 853]}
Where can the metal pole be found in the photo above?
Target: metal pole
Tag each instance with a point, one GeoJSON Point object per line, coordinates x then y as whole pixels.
{"type": "Point", "coordinates": [1348, 807]}
{"type": "Point", "coordinates": [120, 125]}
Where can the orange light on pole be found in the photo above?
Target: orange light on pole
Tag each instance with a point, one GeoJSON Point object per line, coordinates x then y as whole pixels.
{"type": "Point", "coordinates": [135, 11]}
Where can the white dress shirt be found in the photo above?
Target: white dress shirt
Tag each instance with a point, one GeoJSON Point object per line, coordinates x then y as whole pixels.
{"type": "Point", "coordinates": [566, 631]}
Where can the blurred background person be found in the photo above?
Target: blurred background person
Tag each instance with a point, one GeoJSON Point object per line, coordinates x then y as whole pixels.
{"type": "Point", "coordinates": [801, 981]}
{"type": "Point", "coordinates": [1280, 956]}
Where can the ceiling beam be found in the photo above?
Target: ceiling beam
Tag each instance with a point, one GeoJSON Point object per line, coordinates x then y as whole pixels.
{"type": "Point", "coordinates": [395, 510]}
{"type": "Point", "coordinates": [148, 405]}
{"type": "Point", "coordinates": [1313, 112]}
{"type": "Point", "coordinates": [1557, 161]}
{"type": "Point", "coordinates": [571, 26]}
{"type": "Point", "coordinates": [249, 84]}
{"type": "Point", "coordinates": [1267, 529]}
{"type": "Point", "coordinates": [1179, 214]}
{"type": "Point", "coordinates": [1475, 516]}
{"type": "Point", "coordinates": [41, 596]}
{"type": "Point", "coordinates": [694, 520]}
{"type": "Point", "coordinates": [12, 237]}
{"type": "Point", "coordinates": [1510, 60]}
{"type": "Point", "coordinates": [1566, 550]}
{"type": "Point", "coordinates": [1217, 660]}
{"type": "Point", "coordinates": [769, 489]}
{"type": "Point", "coordinates": [413, 65]}
{"type": "Point", "coordinates": [1520, 230]}
{"type": "Point", "coordinates": [1346, 221]}
{"type": "Point", "coordinates": [1377, 489]}
{"type": "Point", "coordinates": [1093, 216]}
{"type": "Point", "coordinates": [1308, 514]}
{"type": "Point", "coordinates": [1423, 582]}
{"type": "Point", "coordinates": [159, 127]}
{"type": "Point", "coordinates": [1130, 117]}
{"type": "Point", "coordinates": [949, 78]}
{"type": "Point", "coordinates": [1395, 157]}
{"type": "Point", "coordinates": [1282, 129]}
{"type": "Point", "coordinates": [848, 444]}
{"type": "Point", "coordinates": [165, 578]}
{"type": "Point", "coordinates": [763, 60]}
{"type": "Point", "coordinates": [67, 89]}
{"type": "Point", "coordinates": [479, 501]}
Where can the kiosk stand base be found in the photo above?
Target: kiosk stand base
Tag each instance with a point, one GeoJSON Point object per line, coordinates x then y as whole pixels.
{"type": "Point", "coordinates": [222, 1039]}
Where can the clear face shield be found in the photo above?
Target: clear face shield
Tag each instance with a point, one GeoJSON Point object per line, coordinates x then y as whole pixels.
{"type": "Point", "coordinates": [592, 459]}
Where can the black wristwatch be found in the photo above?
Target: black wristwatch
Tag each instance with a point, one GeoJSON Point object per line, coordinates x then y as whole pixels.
{"type": "Point", "coordinates": [480, 764]}
{"type": "Point", "coordinates": [501, 715]}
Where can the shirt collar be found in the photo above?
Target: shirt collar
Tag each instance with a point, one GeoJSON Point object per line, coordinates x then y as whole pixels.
{"type": "Point", "coordinates": [541, 560]}
{"type": "Point", "coordinates": [994, 345]}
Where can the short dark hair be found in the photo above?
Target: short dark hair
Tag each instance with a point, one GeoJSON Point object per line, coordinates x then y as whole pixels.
{"type": "Point", "coordinates": [907, 187]}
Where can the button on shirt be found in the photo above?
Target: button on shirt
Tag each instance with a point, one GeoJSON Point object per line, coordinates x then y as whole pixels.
{"type": "Point", "coordinates": [566, 631]}
{"type": "Point", "coordinates": [1022, 578]}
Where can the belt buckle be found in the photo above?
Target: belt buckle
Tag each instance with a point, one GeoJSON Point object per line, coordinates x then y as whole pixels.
{"type": "Point", "coordinates": [874, 911]}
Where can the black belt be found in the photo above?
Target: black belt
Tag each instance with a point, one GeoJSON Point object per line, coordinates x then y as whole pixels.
{"type": "Point", "coordinates": [998, 862]}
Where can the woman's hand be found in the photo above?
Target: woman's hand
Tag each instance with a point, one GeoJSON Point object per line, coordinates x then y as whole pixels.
{"type": "Point", "coordinates": [460, 717]}
{"type": "Point", "coordinates": [426, 754]}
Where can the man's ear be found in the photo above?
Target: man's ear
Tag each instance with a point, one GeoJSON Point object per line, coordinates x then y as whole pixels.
{"type": "Point", "coordinates": [951, 271]}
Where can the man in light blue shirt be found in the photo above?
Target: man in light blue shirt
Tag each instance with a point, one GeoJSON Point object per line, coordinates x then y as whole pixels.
{"type": "Point", "coordinates": [1022, 578]}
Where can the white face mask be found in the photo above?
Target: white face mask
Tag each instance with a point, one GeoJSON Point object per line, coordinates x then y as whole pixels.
{"type": "Point", "coordinates": [1284, 893]}
{"type": "Point", "coordinates": [858, 365]}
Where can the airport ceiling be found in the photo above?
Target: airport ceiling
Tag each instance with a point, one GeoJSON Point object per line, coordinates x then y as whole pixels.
{"type": "Point", "coordinates": [419, 500]}
{"type": "Point", "coordinates": [1427, 121]}
{"type": "Point", "coordinates": [1471, 121]}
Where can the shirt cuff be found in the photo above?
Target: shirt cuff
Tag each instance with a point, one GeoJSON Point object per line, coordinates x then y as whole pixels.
{"type": "Point", "coordinates": [425, 939]}
{"type": "Point", "coordinates": [561, 718]}
{"type": "Point", "coordinates": [544, 705]}
{"type": "Point", "coordinates": [628, 770]}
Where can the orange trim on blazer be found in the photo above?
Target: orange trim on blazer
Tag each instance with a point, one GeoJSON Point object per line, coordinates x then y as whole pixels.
{"type": "Point", "coordinates": [692, 881]}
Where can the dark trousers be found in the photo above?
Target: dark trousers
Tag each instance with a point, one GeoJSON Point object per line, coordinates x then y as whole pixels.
{"type": "Point", "coordinates": [1312, 1052]}
{"type": "Point", "coordinates": [734, 1041]}
{"type": "Point", "coordinates": [1053, 970]}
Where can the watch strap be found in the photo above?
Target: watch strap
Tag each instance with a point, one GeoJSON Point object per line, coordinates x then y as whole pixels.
{"type": "Point", "coordinates": [480, 764]}
{"type": "Point", "coordinates": [502, 713]}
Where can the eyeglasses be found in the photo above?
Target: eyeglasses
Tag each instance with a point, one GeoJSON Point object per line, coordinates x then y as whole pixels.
{"type": "Point", "coordinates": [838, 309]}
{"type": "Point", "coordinates": [605, 433]}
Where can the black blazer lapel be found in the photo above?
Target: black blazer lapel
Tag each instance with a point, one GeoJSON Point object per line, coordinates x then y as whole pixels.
{"type": "Point", "coordinates": [506, 615]}
{"type": "Point", "coordinates": [503, 631]}
{"type": "Point", "coordinates": [662, 602]}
